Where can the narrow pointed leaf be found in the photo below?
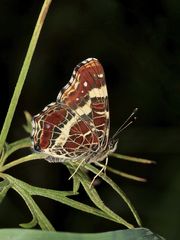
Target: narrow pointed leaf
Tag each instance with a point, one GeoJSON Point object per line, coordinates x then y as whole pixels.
{"type": "Point", "coordinates": [30, 224]}
{"type": "Point", "coordinates": [4, 187]}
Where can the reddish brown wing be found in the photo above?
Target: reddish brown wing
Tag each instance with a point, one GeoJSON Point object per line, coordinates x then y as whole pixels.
{"type": "Point", "coordinates": [86, 93]}
{"type": "Point", "coordinates": [58, 131]}
{"type": "Point", "coordinates": [76, 126]}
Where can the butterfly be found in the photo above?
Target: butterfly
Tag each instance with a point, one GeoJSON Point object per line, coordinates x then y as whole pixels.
{"type": "Point", "coordinates": [76, 126]}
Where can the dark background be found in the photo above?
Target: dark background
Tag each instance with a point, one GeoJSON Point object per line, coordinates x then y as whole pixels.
{"type": "Point", "coordinates": [138, 44]}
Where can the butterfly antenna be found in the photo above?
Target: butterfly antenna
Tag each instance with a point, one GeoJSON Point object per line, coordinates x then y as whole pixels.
{"type": "Point", "coordinates": [127, 123]}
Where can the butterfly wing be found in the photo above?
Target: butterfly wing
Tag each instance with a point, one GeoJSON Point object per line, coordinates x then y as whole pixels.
{"type": "Point", "coordinates": [51, 133]}
{"type": "Point", "coordinates": [86, 93]}
{"type": "Point", "coordinates": [77, 124]}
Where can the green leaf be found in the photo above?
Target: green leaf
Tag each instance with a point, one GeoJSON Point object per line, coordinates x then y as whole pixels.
{"type": "Point", "coordinates": [27, 158]}
{"type": "Point", "coordinates": [28, 125]}
{"type": "Point", "coordinates": [118, 190]}
{"type": "Point", "coordinates": [95, 198]}
{"type": "Point", "coordinates": [4, 187]}
{"type": "Point", "coordinates": [133, 234]}
{"type": "Point", "coordinates": [30, 224]}
{"type": "Point", "coordinates": [132, 159]}
{"type": "Point", "coordinates": [125, 175]}
{"type": "Point", "coordinates": [76, 184]}
{"type": "Point", "coordinates": [38, 215]}
{"type": "Point", "coordinates": [17, 145]}
{"type": "Point", "coordinates": [27, 190]}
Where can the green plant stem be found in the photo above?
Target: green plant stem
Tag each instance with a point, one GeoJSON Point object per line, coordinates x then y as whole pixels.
{"type": "Point", "coordinates": [12, 147]}
{"type": "Point", "coordinates": [33, 156]}
{"type": "Point", "coordinates": [23, 73]}
{"type": "Point", "coordinates": [132, 159]}
{"type": "Point", "coordinates": [125, 175]}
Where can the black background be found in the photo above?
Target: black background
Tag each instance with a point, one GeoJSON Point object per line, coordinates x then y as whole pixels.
{"type": "Point", "coordinates": [138, 44]}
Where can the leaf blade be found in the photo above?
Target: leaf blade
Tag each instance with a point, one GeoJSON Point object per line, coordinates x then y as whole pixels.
{"type": "Point", "coordinates": [129, 234]}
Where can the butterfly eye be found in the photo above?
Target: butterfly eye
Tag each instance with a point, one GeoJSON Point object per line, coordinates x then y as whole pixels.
{"type": "Point", "coordinates": [37, 147]}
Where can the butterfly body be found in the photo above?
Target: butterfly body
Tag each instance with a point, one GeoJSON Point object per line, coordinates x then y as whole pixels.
{"type": "Point", "coordinates": [76, 126]}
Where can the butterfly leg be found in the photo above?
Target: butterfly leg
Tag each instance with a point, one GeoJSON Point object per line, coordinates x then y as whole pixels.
{"type": "Point", "coordinates": [51, 159]}
{"type": "Point", "coordinates": [80, 164]}
{"type": "Point", "coordinates": [103, 169]}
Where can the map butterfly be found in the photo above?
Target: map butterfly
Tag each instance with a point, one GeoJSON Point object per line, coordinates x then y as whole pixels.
{"type": "Point", "coordinates": [76, 126]}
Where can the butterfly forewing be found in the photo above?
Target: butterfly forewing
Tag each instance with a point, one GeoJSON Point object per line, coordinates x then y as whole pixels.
{"type": "Point", "coordinates": [77, 124]}
{"type": "Point", "coordinates": [86, 93]}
